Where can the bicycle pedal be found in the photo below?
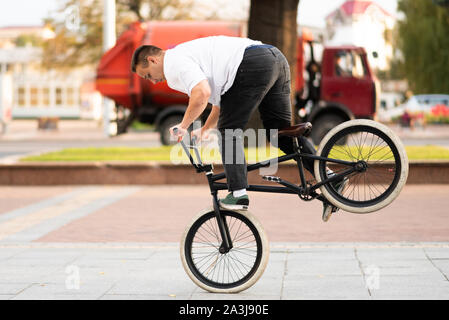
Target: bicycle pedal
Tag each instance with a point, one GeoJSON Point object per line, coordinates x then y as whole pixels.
{"type": "Point", "coordinates": [271, 178]}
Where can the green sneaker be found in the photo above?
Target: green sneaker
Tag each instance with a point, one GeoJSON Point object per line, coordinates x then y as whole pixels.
{"type": "Point", "coordinates": [329, 209]}
{"type": "Point", "coordinates": [233, 203]}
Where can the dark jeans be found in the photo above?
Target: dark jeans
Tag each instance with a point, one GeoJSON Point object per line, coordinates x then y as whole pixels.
{"type": "Point", "coordinates": [263, 81]}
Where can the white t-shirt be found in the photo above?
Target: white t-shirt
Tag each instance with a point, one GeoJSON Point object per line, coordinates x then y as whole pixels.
{"type": "Point", "coordinates": [214, 58]}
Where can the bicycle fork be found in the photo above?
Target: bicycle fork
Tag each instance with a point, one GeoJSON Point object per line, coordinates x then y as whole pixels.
{"type": "Point", "coordinates": [226, 241]}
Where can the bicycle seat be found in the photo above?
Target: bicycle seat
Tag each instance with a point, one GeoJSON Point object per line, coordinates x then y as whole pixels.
{"type": "Point", "coordinates": [302, 129]}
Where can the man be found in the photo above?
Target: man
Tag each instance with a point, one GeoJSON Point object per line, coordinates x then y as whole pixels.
{"type": "Point", "coordinates": [340, 65]}
{"type": "Point", "coordinates": [235, 75]}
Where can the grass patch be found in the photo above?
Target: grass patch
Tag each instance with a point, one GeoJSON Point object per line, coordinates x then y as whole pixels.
{"type": "Point", "coordinates": [104, 154]}
{"type": "Point", "coordinates": [139, 126]}
{"type": "Point", "coordinates": [176, 154]}
{"type": "Point", "coordinates": [427, 152]}
{"type": "Point", "coordinates": [165, 153]}
{"type": "Point", "coordinates": [413, 153]}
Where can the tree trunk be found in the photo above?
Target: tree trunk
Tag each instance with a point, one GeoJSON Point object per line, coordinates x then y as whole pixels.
{"type": "Point", "coordinates": [274, 22]}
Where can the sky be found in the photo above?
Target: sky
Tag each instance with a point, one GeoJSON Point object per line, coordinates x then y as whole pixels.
{"type": "Point", "coordinates": [31, 12]}
{"type": "Point", "coordinates": [25, 12]}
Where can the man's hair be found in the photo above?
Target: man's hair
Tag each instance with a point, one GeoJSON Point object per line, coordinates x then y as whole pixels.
{"type": "Point", "coordinates": [141, 54]}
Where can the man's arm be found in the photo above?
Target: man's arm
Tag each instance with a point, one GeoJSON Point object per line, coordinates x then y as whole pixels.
{"type": "Point", "coordinates": [197, 103]}
{"type": "Point", "coordinates": [212, 120]}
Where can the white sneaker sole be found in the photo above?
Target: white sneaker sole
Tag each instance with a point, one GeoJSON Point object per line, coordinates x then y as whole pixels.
{"type": "Point", "coordinates": [233, 206]}
{"type": "Point", "coordinates": [327, 213]}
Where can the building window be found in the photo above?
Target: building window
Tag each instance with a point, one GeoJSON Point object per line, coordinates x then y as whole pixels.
{"type": "Point", "coordinates": [388, 35]}
{"type": "Point", "coordinates": [21, 96]}
{"type": "Point", "coordinates": [70, 96]}
{"type": "Point", "coordinates": [46, 97]}
{"type": "Point", "coordinates": [34, 96]}
{"type": "Point", "coordinates": [58, 96]}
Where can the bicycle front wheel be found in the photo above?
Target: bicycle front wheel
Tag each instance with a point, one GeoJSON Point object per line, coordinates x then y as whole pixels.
{"type": "Point", "coordinates": [379, 149]}
{"type": "Point", "coordinates": [229, 272]}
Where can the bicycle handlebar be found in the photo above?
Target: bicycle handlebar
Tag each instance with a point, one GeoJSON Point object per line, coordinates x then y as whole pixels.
{"type": "Point", "coordinates": [198, 166]}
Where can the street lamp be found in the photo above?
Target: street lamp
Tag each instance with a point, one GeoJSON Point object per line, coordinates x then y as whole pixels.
{"type": "Point", "coordinates": [109, 38]}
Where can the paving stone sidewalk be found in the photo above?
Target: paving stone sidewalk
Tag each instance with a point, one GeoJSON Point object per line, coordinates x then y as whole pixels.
{"type": "Point", "coordinates": [295, 271]}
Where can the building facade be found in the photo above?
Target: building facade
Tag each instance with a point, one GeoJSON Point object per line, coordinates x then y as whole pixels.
{"type": "Point", "coordinates": [366, 24]}
{"type": "Point", "coordinates": [42, 93]}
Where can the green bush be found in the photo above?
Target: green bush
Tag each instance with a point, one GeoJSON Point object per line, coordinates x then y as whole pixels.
{"type": "Point", "coordinates": [395, 119]}
{"type": "Point", "coordinates": [440, 119]}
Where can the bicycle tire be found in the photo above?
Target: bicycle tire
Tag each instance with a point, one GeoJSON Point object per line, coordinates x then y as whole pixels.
{"type": "Point", "coordinates": [380, 170]}
{"type": "Point", "coordinates": [203, 274]}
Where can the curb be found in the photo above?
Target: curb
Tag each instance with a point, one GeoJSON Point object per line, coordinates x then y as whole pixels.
{"type": "Point", "coordinates": [160, 173]}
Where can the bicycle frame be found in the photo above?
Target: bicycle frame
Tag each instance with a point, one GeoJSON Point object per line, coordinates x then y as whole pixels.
{"type": "Point", "coordinates": [304, 191]}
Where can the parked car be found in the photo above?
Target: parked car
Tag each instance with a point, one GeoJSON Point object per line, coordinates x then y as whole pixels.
{"type": "Point", "coordinates": [422, 103]}
{"type": "Point", "coordinates": [388, 102]}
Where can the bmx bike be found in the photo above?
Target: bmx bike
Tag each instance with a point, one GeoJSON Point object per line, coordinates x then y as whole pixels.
{"type": "Point", "coordinates": [226, 251]}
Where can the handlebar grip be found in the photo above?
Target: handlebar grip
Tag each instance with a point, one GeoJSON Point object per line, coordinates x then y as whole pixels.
{"type": "Point", "coordinates": [175, 131]}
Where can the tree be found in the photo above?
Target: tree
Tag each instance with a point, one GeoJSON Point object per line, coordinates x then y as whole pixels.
{"type": "Point", "coordinates": [274, 22]}
{"type": "Point", "coordinates": [147, 10]}
{"type": "Point", "coordinates": [424, 42]}
{"type": "Point", "coordinates": [28, 39]}
{"type": "Point", "coordinates": [78, 46]}
{"type": "Point", "coordinates": [441, 2]}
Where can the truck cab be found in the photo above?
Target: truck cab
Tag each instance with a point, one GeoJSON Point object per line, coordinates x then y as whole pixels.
{"type": "Point", "coordinates": [340, 88]}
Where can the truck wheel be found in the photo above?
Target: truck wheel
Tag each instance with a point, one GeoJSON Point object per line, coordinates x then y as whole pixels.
{"type": "Point", "coordinates": [323, 124]}
{"type": "Point", "coordinates": [165, 126]}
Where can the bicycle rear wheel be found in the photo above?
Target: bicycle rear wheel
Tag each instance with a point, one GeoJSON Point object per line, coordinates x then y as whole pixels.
{"type": "Point", "coordinates": [229, 272]}
{"type": "Point", "coordinates": [386, 165]}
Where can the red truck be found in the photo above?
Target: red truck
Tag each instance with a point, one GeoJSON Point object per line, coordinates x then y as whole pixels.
{"type": "Point", "coordinates": [340, 88]}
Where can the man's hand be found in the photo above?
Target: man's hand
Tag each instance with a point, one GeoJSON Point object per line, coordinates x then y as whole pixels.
{"type": "Point", "coordinates": [211, 123]}
{"type": "Point", "coordinates": [200, 134]}
{"type": "Point", "coordinates": [180, 132]}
